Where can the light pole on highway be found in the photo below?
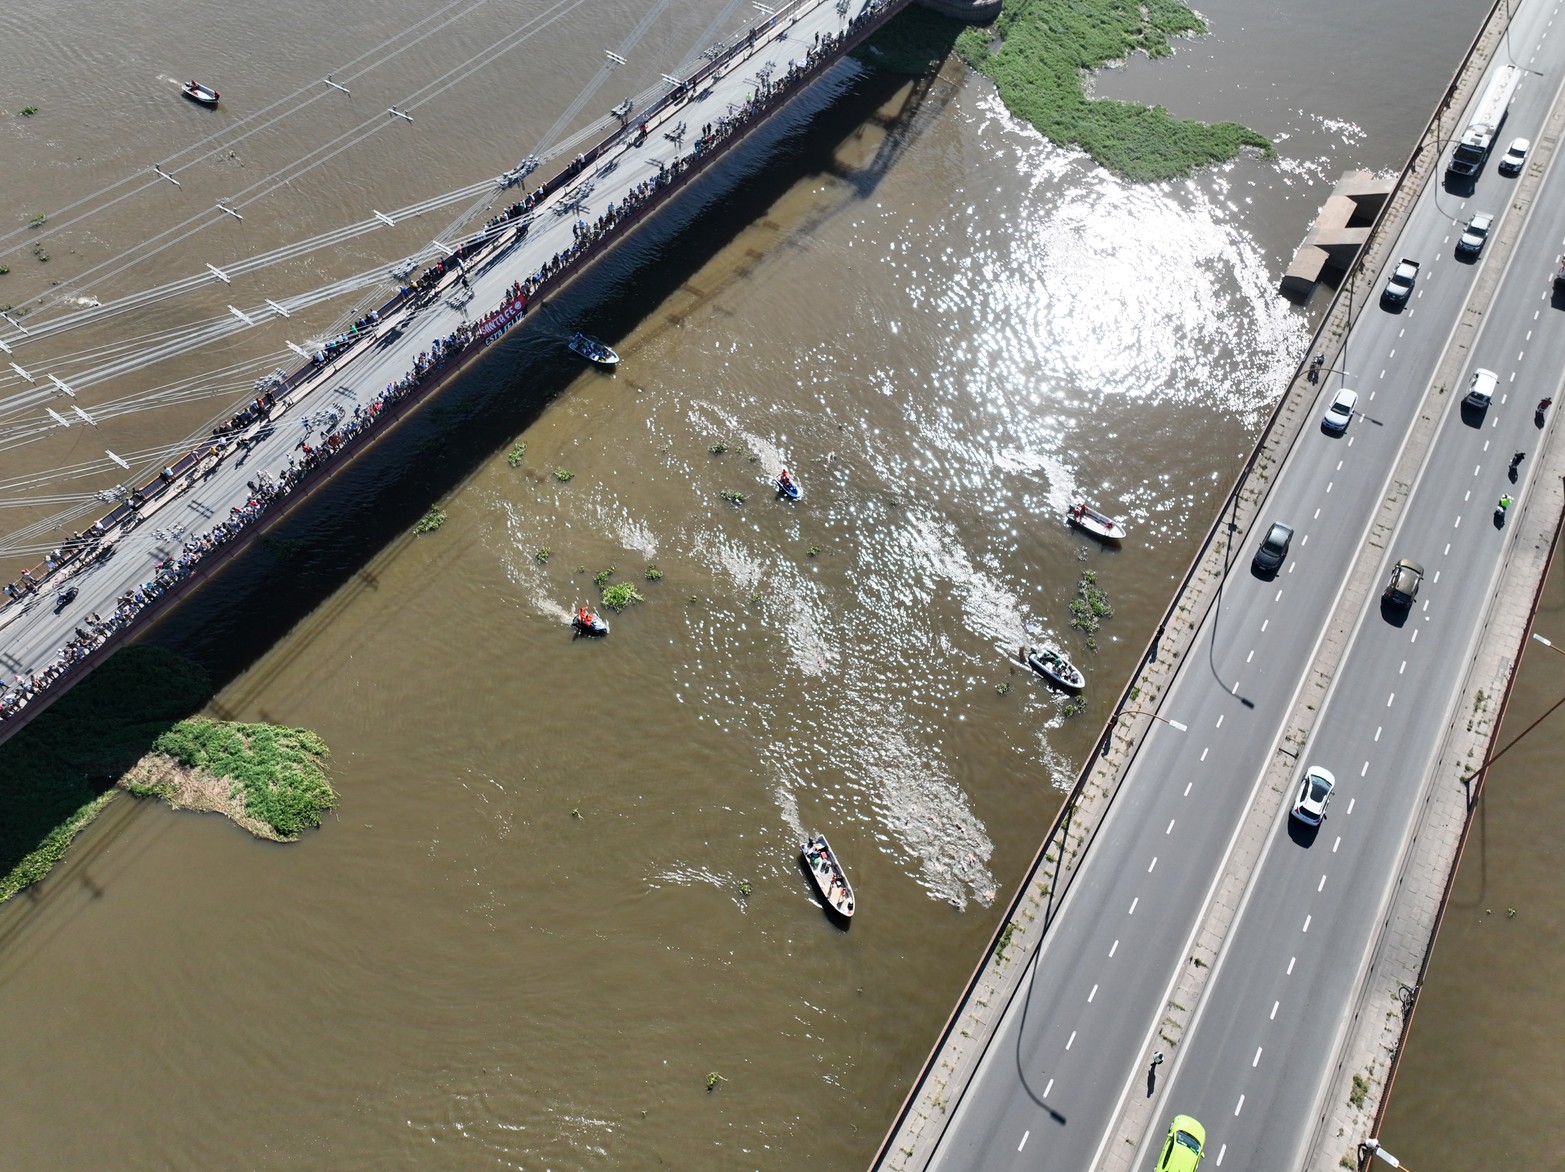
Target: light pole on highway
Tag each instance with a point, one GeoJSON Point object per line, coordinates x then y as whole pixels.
{"type": "Point", "coordinates": [1371, 1148]}
{"type": "Point", "coordinates": [1108, 733]}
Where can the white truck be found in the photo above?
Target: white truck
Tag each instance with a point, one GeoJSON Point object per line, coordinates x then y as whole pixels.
{"type": "Point", "coordinates": [1399, 286]}
{"type": "Point", "coordinates": [1488, 116]}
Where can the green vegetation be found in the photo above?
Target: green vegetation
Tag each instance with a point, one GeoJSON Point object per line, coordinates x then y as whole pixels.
{"type": "Point", "coordinates": [4, 269]}
{"type": "Point", "coordinates": [654, 574]}
{"type": "Point", "coordinates": [744, 887]}
{"type": "Point", "coordinates": [29, 111]}
{"type": "Point", "coordinates": [514, 458]}
{"type": "Point", "coordinates": [270, 780]}
{"type": "Point", "coordinates": [735, 497]}
{"type": "Point", "coordinates": [602, 576]}
{"type": "Point", "coordinates": [1075, 706]}
{"type": "Point", "coordinates": [1005, 941]}
{"type": "Point", "coordinates": [619, 597]}
{"type": "Point", "coordinates": [1039, 52]}
{"type": "Point", "coordinates": [563, 474]}
{"type": "Point", "coordinates": [541, 555]}
{"type": "Point", "coordinates": [812, 551]}
{"type": "Point", "coordinates": [713, 1079]}
{"type": "Point", "coordinates": [37, 221]}
{"type": "Point", "coordinates": [430, 521]}
{"type": "Point", "coordinates": [718, 448]}
{"type": "Point", "coordinates": [1089, 607]}
{"type": "Point", "coordinates": [40, 252]}
{"type": "Point", "coordinates": [1359, 1092]}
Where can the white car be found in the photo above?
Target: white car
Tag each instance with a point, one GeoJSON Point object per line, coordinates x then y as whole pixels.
{"type": "Point", "coordinates": [1515, 156]}
{"type": "Point", "coordinates": [1475, 234]}
{"type": "Point", "coordinates": [1340, 413]}
{"type": "Point", "coordinates": [1314, 793]}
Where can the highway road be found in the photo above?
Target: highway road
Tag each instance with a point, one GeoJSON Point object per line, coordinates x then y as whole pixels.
{"type": "Point", "coordinates": [1253, 1065]}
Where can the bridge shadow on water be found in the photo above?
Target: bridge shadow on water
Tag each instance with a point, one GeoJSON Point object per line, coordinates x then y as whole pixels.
{"type": "Point", "coordinates": [327, 541]}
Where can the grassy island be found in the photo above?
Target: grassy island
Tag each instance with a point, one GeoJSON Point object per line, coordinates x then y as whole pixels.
{"type": "Point", "coordinates": [1039, 53]}
{"type": "Point", "coordinates": [127, 728]}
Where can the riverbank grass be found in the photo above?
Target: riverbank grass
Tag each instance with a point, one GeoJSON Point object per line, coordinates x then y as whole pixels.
{"type": "Point", "coordinates": [1039, 52]}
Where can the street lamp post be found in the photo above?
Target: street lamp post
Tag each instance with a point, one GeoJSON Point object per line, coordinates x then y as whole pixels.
{"type": "Point", "coordinates": [1467, 780]}
{"type": "Point", "coordinates": [1108, 733]}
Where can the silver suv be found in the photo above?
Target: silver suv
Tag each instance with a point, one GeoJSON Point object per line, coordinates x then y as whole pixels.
{"type": "Point", "coordinates": [1481, 390]}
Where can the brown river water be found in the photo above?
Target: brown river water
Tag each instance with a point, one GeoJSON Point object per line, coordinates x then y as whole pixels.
{"type": "Point", "coordinates": [522, 940]}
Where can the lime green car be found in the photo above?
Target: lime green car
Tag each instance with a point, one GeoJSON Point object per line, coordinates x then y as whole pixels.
{"type": "Point", "coordinates": [1185, 1146]}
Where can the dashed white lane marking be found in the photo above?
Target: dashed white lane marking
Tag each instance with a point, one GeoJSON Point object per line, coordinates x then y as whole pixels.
{"type": "Point", "coordinates": [1221, 1152]}
{"type": "Point", "coordinates": [1329, 483]}
{"type": "Point", "coordinates": [1476, 468]}
{"type": "Point", "coordinates": [1447, 549]}
{"type": "Point", "coordinates": [1403, 668]}
{"type": "Point", "coordinates": [1382, 374]}
{"type": "Point", "coordinates": [1414, 639]}
{"type": "Point", "coordinates": [1265, 623]}
{"type": "Point", "coordinates": [1291, 961]}
{"type": "Point", "coordinates": [1112, 951]}
{"type": "Point", "coordinates": [1092, 994]}
{"type": "Point", "coordinates": [1048, 1088]}
{"type": "Point", "coordinates": [1133, 904]}
{"type": "Point", "coordinates": [1400, 332]}
{"type": "Point", "coordinates": [1377, 731]}
{"type": "Point", "coordinates": [1205, 751]}
{"type": "Point", "coordinates": [1279, 597]}
{"type": "Point", "coordinates": [1239, 1106]}
{"type": "Point", "coordinates": [1317, 515]}
{"type": "Point", "coordinates": [1275, 1005]}
{"type": "Point", "coordinates": [1528, 338]}
{"type": "Point", "coordinates": [1432, 581]}
{"type": "Point", "coordinates": [1467, 496]}
{"type": "Point", "coordinates": [1336, 844]}
{"type": "Point", "coordinates": [1152, 864]}
{"type": "Point", "coordinates": [1393, 354]}
{"type": "Point", "coordinates": [1339, 465]}
{"type": "Point", "coordinates": [1321, 886]}
{"type": "Point", "coordinates": [1390, 698]}
{"type": "Point", "coordinates": [1188, 784]}
{"type": "Point", "coordinates": [1306, 928]}
{"type": "Point", "coordinates": [1250, 656]}
{"type": "Point", "coordinates": [1365, 771]}
{"type": "Point", "coordinates": [1023, 1144]}
{"type": "Point", "coordinates": [1220, 716]}
{"type": "Point", "coordinates": [1256, 1061]}
{"type": "Point", "coordinates": [1170, 829]}
{"type": "Point", "coordinates": [1519, 355]}
{"type": "Point", "coordinates": [1072, 1041]}
{"type": "Point", "coordinates": [1351, 803]}
{"type": "Point", "coordinates": [1458, 524]}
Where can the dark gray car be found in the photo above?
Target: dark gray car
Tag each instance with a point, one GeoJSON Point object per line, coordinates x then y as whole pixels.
{"type": "Point", "coordinates": [1274, 548]}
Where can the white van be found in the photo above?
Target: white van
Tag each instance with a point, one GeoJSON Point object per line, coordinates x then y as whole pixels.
{"type": "Point", "coordinates": [1481, 390]}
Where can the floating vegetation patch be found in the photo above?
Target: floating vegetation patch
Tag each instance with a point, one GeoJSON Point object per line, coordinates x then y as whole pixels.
{"type": "Point", "coordinates": [563, 474]}
{"type": "Point", "coordinates": [430, 521]}
{"type": "Point", "coordinates": [718, 448]}
{"type": "Point", "coordinates": [1090, 606]}
{"type": "Point", "coordinates": [654, 574]}
{"type": "Point", "coordinates": [541, 555]}
{"type": "Point", "coordinates": [1075, 706]}
{"type": "Point", "coordinates": [270, 780]}
{"type": "Point", "coordinates": [619, 597]}
{"type": "Point", "coordinates": [37, 221]}
{"type": "Point", "coordinates": [29, 111]}
{"type": "Point", "coordinates": [734, 497]}
{"type": "Point", "coordinates": [515, 456]}
{"type": "Point", "coordinates": [602, 576]}
{"type": "Point", "coordinates": [1038, 52]}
